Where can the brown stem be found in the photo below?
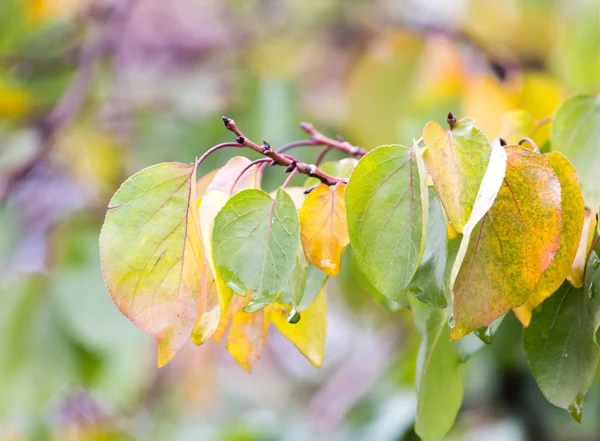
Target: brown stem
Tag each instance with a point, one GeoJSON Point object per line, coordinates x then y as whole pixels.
{"type": "Point", "coordinates": [289, 178]}
{"type": "Point", "coordinates": [541, 123]}
{"type": "Point", "coordinates": [322, 154]}
{"type": "Point", "coordinates": [301, 143]}
{"type": "Point", "coordinates": [280, 159]}
{"type": "Point", "coordinates": [344, 146]}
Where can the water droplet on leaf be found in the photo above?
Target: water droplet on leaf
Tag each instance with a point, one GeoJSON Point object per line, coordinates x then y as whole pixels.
{"type": "Point", "coordinates": [576, 409]}
{"type": "Point", "coordinates": [451, 321]}
{"type": "Point", "coordinates": [294, 316]}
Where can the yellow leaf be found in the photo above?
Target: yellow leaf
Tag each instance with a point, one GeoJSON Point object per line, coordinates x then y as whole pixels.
{"type": "Point", "coordinates": [247, 337]}
{"type": "Point", "coordinates": [203, 183]}
{"type": "Point", "coordinates": [516, 125]}
{"type": "Point", "coordinates": [511, 246]}
{"type": "Point", "coordinates": [323, 227]}
{"type": "Point", "coordinates": [308, 335]}
{"type": "Point", "coordinates": [585, 243]}
{"type": "Point", "coordinates": [226, 176]}
{"type": "Point", "coordinates": [572, 214]}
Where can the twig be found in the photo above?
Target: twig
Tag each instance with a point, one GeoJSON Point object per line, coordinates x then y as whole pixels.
{"type": "Point", "coordinates": [301, 143]}
{"type": "Point", "coordinates": [322, 154]}
{"type": "Point", "coordinates": [280, 159]}
{"type": "Point", "coordinates": [541, 123]}
{"type": "Point", "coordinates": [318, 138]}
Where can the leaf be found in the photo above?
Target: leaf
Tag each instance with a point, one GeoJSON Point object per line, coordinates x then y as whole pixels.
{"type": "Point", "coordinates": [575, 132]}
{"type": "Point", "coordinates": [429, 282]}
{"type": "Point", "coordinates": [152, 255]}
{"type": "Point", "coordinates": [576, 272]}
{"type": "Point", "coordinates": [511, 246]}
{"type": "Point", "coordinates": [386, 218]}
{"type": "Point", "coordinates": [516, 125]}
{"type": "Point", "coordinates": [456, 160]}
{"type": "Point", "coordinates": [572, 214]}
{"type": "Point", "coordinates": [560, 342]}
{"type": "Point", "coordinates": [255, 241]}
{"type": "Point", "coordinates": [305, 282]}
{"type": "Point", "coordinates": [323, 227]}
{"type": "Point", "coordinates": [247, 338]}
{"type": "Point", "coordinates": [438, 381]}
{"type": "Point", "coordinates": [226, 176]}
{"type": "Point", "coordinates": [308, 335]}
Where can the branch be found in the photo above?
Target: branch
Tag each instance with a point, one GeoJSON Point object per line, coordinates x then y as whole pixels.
{"type": "Point", "coordinates": [280, 159]}
{"type": "Point", "coordinates": [319, 139]}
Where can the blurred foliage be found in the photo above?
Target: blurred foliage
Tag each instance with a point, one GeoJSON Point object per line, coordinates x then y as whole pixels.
{"type": "Point", "coordinates": [73, 125]}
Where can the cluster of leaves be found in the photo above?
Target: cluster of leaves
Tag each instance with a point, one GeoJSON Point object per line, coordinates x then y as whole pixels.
{"type": "Point", "coordinates": [458, 228]}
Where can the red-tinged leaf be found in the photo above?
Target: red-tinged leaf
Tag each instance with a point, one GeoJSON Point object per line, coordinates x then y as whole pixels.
{"type": "Point", "coordinates": [152, 254]}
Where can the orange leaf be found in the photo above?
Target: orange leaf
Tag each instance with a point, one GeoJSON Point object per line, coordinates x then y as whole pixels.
{"type": "Point", "coordinates": [572, 215]}
{"type": "Point", "coordinates": [323, 227]}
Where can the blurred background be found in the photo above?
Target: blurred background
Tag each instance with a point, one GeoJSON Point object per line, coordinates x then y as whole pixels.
{"type": "Point", "coordinates": [92, 91]}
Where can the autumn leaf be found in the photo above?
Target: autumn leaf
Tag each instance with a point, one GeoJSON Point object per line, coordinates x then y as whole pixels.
{"type": "Point", "coordinates": [456, 160]}
{"type": "Point", "coordinates": [255, 242]}
{"type": "Point", "coordinates": [576, 272]}
{"type": "Point", "coordinates": [572, 214]}
{"type": "Point", "coordinates": [387, 217]}
{"type": "Point", "coordinates": [323, 227]}
{"type": "Point", "coordinates": [225, 176]}
{"type": "Point", "coordinates": [152, 254]}
{"type": "Point", "coordinates": [511, 246]}
{"type": "Point", "coordinates": [308, 334]}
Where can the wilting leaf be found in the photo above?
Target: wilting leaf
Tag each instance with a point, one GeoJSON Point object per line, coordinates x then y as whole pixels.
{"type": "Point", "coordinates": [308, 335]}
{"type": "Point", "coordinates": [152, 255]}
{"type": "Point", "coordinates": [560, 342]}
{"type": "Point", "coordinates": [516, 125]}
{"type": "Point", "coordinates": [226, 176]}
{"type": "Point", "coordinates": [438, 381]}
{"type": "Point", "coordinates": [429, 282]}
{"type": "Point", "coordinates": [323, 227]}
{"type": "Point", "coordinates": [456, 160]}
{"type": "Point", "coordinates": [511, 246]}
{"type": "Point", "coordinates": [572, 214]}
{"type": "Point", "coordinates": [575, 132]}
{"type": "Point", "coordinates": [247, 338]}
{"type": "Point", "coordinates": [386, 218]}
{"type": "Point", "coordinates": [575, 275]}
{"type": "Point", "coordinates": [255, 242]}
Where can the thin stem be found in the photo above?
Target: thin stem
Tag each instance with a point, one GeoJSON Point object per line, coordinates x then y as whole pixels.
{"type": "Point", "coordinates": [301, 143]}
{"type": "Point", "coordinates": [322, 154]}
{"type": "Point", "coordinates": [248, 167]}
{"type": "Point", "coordinates": [214, 149]}
{"type": "Point", "coordinates": [280, 159]}
{"type": "Point", "coordinates": [289, 178]}
{"type": "Point", "coordinates": [319, 138]}
{"type": "Point", "coordinates": [531, 142]}
{"type": "Point", "coordinates": [594, 243]}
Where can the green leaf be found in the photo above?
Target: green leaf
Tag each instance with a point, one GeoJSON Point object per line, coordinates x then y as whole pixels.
{"type": "Point", "coordinates": [255, 243]}
{"type": "Point", "coordinates": [456, 160]}
{"type": "Point", "coordinates": [387, 219]}
{"type": "Point", "coordinates": [560, 342]}
{"type": "Point", "coordinates": [438, 381]}
{"type": "Point", "coordinates": [305, 282]}
{"type": "Point", "coordinates": [429, 283]}
{"type": "Point", "coordinates": [575, 132]}
{"type": "Point", "coordinates": [512, 245]}
{"type": "Point", "coordinates": [152, 255]}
